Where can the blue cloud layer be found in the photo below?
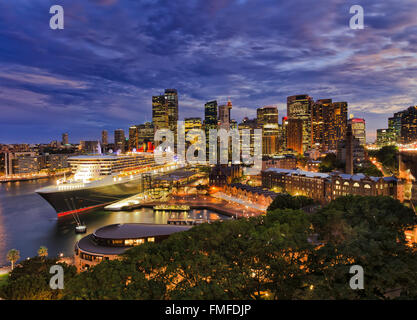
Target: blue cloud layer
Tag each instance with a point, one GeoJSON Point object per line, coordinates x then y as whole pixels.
{"type": "Point", "coordinates": [102, 69]}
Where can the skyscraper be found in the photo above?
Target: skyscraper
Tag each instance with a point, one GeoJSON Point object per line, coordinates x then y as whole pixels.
{"type": "Point", "coordinates": [210, 121]}
{"type": "Point", "coordinates": [190, 124]}
{"type": "Point", "coordinates": [224, 115]}
{"type": "Point", "coordinates": [295, 135]}
{"type": "Point", "coordinates": [267, 118]}
{"type": "Point", "coordinates": [104, 138]}
{"type": "Point", "coordinates": [171, 98]}
{"type": "Point", "coordinates": [409, 125]}
{"type": "Point", "coordinates": [318, 124]}
{"type": "Point", "coordinates": [65, 139]}
{"type": "Point", "coordinates": [299, 107]}
{"type": "Point", "coordinates": [328, 123]}
{"type": "Point", "coordinates": [133, 138]}
{"type": "Point", "coordinates": [358, 129]}
{"type": "Point", "coordinates": [160, 112]}
{"type": "Point", "coordinates": [119, 140]}
{"type": "Point", "coordinates": [394, 126]}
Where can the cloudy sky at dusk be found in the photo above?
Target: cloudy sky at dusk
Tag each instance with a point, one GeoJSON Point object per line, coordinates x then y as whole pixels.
{"type": "Point", "coordinates": [101, 71]}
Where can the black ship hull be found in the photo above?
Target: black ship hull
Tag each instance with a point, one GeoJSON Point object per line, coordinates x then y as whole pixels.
{"type": "Point", "coordinates": [70, 201]}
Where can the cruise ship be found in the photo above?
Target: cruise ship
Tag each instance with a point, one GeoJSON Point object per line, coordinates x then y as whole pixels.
{"type": "Point", "coordinates": [97, 180]}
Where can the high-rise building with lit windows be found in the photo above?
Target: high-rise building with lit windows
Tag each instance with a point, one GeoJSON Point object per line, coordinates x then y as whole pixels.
{"type": "Point", "coordinates": [210, 121]}
{"type": "Point", "coordinates": [409, 125]}
{"type": "Point", "coordinates": [267, 119]}
{"type": "Point", "coordinates": [358, 129]}
{"type": "Point", "coordinates": [295, 135]}
{"type": "Point", "coordinates": [299, 107]}
{"type": "Point", "coordinates": [224, 115]}
{"type": "Point", "coordinates": [119, 140]}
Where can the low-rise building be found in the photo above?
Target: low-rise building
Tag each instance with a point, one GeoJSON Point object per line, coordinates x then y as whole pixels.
{"type": "Point", "coordinates": [110, 242]}
{"type": "Point", "coordinates": [325, 187]}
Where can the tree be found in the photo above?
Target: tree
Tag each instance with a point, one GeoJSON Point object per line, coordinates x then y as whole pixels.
{"type": "Point", "coordinates": [13, 256]}
{"type": "Point", "coordinates": [286, 201]}
{"type": "Point", "coordinates": [43, 251]}
{"type": "Point", "coordinates": [30, 280]}
{"type": "Point", "coordinates": [330, 163]}
{"type": "Point", "coordinates": [365, 231]}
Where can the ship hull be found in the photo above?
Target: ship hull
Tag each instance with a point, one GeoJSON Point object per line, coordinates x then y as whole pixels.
{"type": "Point", "coordinates": [71, 201]}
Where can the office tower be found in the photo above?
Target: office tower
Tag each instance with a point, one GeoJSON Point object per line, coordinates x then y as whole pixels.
{"type": "Point", "coordinates": [394, 125]}
{"type": "Point", "coordinates": [358, 129]}
{"type": "Point", "coordinates": [133, 138]}
{"type": "Point", "coordinates": [295, 135]}
{"type": "Point", "coordinates": [171, 99]}
{"type": "Point", "coordinates": [119, 140]}
{"type": "Point", "coordinates": [191, 124]}
{"type": "Point", "coordinates": [224, 115]}
{"type": "Point", "coordinates": [349, 150]}
{"type": "Point", "coordinates": [251, 125]}
{"type": "Point", "coordinates": [336, 119]}
{"type": "Point", "coordinates": [104, 138]}
{"type": "Point", "coordinates": [409, 125]}
{"type": "Point", "coordinates": [160, 112]}
{"type": "Point", "coordinates": [145, 133]}
{"type": "Point", "coordinates": [65, 139]}
{"type": "Point", "coordinates": [210, 121]}
{"type": "Point", "coordinates": [318, 124]}
{"type": "Point", "coordinates": [299, 107]}
{"type": "Point", "coordinates": [267, 119]}
{"type": "Point", "coordinates": [383, 137]}
{"type": "Point", "coordinates": [92, 146]}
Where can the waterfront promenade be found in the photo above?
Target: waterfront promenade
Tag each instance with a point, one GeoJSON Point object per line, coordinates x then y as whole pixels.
{"type": "Point", "coordinates": [222, 206]}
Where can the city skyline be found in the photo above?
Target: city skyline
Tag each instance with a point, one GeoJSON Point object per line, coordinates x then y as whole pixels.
{"type": "Point", "coordinates": [101, 71]}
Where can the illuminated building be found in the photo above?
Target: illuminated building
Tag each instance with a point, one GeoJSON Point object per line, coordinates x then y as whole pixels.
{"type": "Point", "coordinates": [171, 98]}
{"type": "Point", "coordinates": [145, 133]}
{"type": "Point", "coordinates": [329, 123]}
{"type": "Point", "coordinates": [210, 121]}
{"type": "Point", "coordinates": [165, 110]}
{"type": "Point", "coordinates": [160, 112]}
{"type": "Point", "coordinates": [119, 140]}
{"type": "Point", "coordinates": [384, 137]}
{"type": "Point", "coordinates": [133, 138]}
{"type": "Point", "coordinates": [267, 119]}
{"type": "Point", "coordinates": [251, 125]}
{"type": "Point", "coordinates": [89, 146]}
{"type": "Point", "coordinates": [224, 115]}
{"type": "Point", "coordinates": [191, 124]}
{"type": "Point", "coordinates": [394, 125]}
{"type": "Point", "coordinates": [299, 107]}
{"type": "Point", "coordinates": [110, 242]}
{"type": "Point", "coordinates": [65, 139]}
{"type": "Point", "coordinates": [325, 187]}
{"type": "Point", "coordinates": [295, 135]}
{"type": "Point", "coordinates": [104, 138]}
{"type": "Point", "coordinates": [358, 129]}
{"type": "Point", "coordinates": [409, 125]}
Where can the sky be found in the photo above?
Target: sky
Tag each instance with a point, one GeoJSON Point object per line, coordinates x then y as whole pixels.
{"type": "Point", "coordinates": [101, 70]}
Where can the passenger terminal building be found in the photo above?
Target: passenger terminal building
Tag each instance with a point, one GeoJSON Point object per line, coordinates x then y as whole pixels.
{"type": "Point", "coordinates": [109, 242]}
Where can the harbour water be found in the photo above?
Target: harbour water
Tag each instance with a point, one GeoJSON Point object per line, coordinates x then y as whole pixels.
{"type": "Point", "coordinates": [28, 222]}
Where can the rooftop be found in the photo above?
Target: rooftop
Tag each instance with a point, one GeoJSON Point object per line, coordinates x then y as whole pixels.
{"type": "Point", "coordinates": [137, 230]}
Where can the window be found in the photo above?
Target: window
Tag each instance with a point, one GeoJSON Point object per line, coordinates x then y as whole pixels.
{"type": "Point", "coordinates": [356, 185]}
{"type": "Point", "coordinates": [346, 183]}
{"type": "Point", "coordinates": [151, 239]}
{"type": "Point", "coordinates": [367, 186]}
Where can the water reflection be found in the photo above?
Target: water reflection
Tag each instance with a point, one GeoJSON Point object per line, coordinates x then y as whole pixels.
{"type": "Point", "coordinates": [28, 222]}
